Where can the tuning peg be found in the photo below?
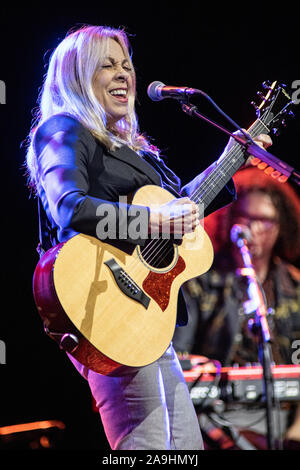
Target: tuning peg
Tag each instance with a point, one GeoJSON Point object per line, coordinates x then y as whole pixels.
{"type": "Point", "coordinates": [291, 114]}
{"type": "Point", "coordinates": [267, 84]}
{"type": "Point", "coordinates": [262, 96]}
{"type": "Point", "coordinates": [287, 113]}
{"type": "Point", "coordinates": [276, 131]}
{"type": "Point", "coordinates": [257, 110]}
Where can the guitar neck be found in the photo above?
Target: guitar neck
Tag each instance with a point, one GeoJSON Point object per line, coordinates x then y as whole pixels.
{"type": "Point", "coordinates": [208, 189]}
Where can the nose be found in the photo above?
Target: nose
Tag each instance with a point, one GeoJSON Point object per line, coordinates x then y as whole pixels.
{"type": "Point", "coordinates": [121, 74]}
{"type": "Point", "coordinates": [256, 227]}
{"type": "Point", "coordinates": [122, 77]}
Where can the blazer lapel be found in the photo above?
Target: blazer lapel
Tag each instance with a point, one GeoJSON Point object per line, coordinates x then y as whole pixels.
{"type": "Point", "coordinates": [131, 158]}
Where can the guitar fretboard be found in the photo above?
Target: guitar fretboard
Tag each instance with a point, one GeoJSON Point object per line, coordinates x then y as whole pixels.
{"type": "Point", "coordinates": [223, 172]}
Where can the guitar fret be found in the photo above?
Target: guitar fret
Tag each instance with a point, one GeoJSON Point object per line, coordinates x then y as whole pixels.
{"type": "Point", "coordinates": [265, 127]}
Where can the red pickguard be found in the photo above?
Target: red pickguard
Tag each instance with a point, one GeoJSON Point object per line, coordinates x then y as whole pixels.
{"type": "Point", "coordinates": [158, 285]}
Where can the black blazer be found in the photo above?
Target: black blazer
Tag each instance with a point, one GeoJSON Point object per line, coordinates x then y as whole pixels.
{"type": "Point", "coordinates": [77, 173]}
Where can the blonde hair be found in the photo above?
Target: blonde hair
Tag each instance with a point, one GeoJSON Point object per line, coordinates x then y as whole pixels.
{"type": "Point", "coordinates": [68, 88]}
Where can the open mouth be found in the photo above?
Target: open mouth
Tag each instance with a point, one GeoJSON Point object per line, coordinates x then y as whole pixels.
{"type": "Point", "coordinates": [119, 94]}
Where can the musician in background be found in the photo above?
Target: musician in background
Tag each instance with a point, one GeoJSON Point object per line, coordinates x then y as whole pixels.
{"type": "Point", "coordinates": [218, 323]}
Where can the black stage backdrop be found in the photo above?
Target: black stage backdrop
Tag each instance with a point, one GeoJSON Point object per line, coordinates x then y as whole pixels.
{"type": "Point", "coordinates": [228, 53]}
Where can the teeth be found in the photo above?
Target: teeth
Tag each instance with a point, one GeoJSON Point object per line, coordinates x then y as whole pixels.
{"type": "Point", "coordinates": [118, 92]}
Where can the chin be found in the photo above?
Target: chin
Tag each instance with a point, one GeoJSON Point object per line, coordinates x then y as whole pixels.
{"type": "Point", "coordinates": [115, 119]}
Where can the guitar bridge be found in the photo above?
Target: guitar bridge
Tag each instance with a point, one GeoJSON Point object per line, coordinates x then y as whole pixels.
{"type": "Point", "coordinates": [126, 284]}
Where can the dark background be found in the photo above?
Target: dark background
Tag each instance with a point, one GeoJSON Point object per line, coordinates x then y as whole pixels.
{"type": "Point", "coordinates": [227, 52]}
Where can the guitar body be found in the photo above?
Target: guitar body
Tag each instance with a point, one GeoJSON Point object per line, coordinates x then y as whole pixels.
{"type": "Point", "coordinates": [121, 306]}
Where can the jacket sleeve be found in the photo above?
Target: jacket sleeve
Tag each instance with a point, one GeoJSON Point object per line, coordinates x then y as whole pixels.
{"type": "Point", "coordinates": [64, 148]}
{"type": "Point", "coordinates": [225, 196]}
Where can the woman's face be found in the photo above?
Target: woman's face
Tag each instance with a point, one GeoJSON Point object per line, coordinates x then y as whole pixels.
{"type": "Point", "coordinates": [113, 84]}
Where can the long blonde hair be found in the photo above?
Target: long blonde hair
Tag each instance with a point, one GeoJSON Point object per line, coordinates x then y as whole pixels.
{"type": "Point", "coordinates": [68, 88]}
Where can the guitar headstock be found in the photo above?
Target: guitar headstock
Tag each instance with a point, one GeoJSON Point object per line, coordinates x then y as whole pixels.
{"type": "Point", "coordinates": [274, 111]}
{"type": "Point", "coordinates": [275, 108]}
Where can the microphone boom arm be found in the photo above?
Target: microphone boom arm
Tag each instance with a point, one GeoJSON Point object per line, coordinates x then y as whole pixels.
{"type": "Point", "coordinates": [250, 146]}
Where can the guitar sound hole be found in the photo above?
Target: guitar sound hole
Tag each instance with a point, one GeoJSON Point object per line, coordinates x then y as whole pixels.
{"type": "Point", "coordinates": [158, 253]}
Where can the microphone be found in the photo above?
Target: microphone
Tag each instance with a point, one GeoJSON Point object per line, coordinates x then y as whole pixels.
{"type": "Point", "coordinates": [239, 234]}
{"type": "Point", "coordinates": [158, 91]}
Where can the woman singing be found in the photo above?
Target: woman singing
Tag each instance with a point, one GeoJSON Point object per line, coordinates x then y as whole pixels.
{"type": "Point", "coordinates": [86, 150]}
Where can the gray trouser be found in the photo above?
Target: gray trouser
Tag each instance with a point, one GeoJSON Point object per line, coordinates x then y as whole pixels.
{"type": "Point", "coordinates": [146, 408]}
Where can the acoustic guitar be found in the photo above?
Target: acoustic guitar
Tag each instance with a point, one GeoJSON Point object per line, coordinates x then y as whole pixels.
{"type": "Point", "coordinates": [108, 307]}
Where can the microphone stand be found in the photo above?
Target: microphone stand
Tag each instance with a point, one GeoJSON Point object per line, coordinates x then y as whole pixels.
{"type": "Point", "coordinates": [260, 328]}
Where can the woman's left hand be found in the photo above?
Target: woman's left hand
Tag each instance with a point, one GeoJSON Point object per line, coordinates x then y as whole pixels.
{"type": "Point", "coordinates": [263, 140]}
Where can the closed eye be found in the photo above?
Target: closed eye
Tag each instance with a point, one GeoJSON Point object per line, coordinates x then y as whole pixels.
{"type": "Point", "coordinates": [113, 63]}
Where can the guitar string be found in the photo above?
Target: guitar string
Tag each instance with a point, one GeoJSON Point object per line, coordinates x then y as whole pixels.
{"type": "Point", "coordinates": [205, 187]}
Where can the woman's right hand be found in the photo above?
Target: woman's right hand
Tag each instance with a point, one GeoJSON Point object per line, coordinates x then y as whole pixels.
{"type": "Point", "coordinates": [177, 217]}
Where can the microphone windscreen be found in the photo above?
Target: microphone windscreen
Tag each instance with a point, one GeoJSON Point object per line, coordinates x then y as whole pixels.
{"type": "Point", "coordinates": [152, 91]}
{"type": "Point", "coordinates": [240, 231]}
